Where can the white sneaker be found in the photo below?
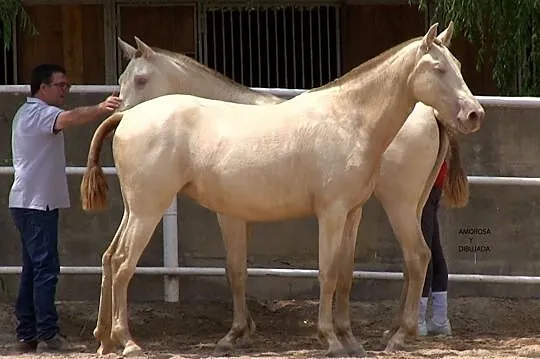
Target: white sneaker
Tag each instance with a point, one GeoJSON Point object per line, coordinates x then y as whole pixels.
{"type": "Point", "coordinates": [439, 329]}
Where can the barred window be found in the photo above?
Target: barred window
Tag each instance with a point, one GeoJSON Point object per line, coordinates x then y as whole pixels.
{"type": "Point", "coordinates": [280, 46]}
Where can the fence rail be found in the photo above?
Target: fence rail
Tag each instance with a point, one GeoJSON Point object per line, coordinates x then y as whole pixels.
{"type": "Point", "coordinates": [171, 270]}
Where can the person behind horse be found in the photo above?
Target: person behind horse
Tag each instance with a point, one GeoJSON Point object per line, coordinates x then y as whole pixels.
{"type": "Point", "coordinates": [436, 280]}
{"type": "Point", "coordinates": [39, 189]}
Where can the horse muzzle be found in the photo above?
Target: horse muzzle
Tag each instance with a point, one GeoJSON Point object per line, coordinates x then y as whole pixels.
{"type": "Point", "coordinates": [470, 117]}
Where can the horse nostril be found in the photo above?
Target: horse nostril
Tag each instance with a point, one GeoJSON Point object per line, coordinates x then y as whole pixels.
{"type": "Point", "coordinates": [473, 116]}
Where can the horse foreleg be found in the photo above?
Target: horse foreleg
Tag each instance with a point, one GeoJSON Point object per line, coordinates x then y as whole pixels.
{"type": "Point", "coordinates": [331, 227]}
{"type": "Point", "coordinates": [234, 234]}
{"type": "Point", "coordinates": [102, 332]}
{"type": "Point", "coordinates": [344, 283]}
{"type": "Point", "coordinates": [130, 248]}
{"type": "Point", "coordinates": [416, 255]}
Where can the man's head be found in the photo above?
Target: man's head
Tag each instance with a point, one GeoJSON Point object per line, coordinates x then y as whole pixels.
{"type": "Point", "coordinates": [50, 84]}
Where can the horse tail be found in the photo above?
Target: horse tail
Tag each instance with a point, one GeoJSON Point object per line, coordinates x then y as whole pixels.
{"type": "Point", "coordinates": [94, 185]}
{"type": "Point", "coordinates": [456, 184]}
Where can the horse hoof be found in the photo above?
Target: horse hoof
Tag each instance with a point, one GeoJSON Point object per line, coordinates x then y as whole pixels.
{"type": "Point", "coordinates": [105, 349]}
{"type": "Point", "coordinates": [393, 347]}
{"type": "Point", "coordinates": [244, 342]}
{"type": "Point", "coordinates": [357, 351]}
{"type": "Point", "coordinates": [133, 351]}
{"type": "Point", "coordinates": [337, 352]}
{"type": "Point", "coordinates": [223, 349]}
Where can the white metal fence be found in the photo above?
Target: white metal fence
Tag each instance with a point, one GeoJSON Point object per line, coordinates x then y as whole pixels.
{"type": "Point", "coordinates": [171, 269]}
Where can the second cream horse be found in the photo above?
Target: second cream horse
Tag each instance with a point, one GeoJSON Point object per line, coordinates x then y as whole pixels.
{"type": "Point", "coordinates": [402, 200]}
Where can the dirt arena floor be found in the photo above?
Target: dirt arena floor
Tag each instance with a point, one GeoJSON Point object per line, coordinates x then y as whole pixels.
{"type": "Point", "coordinates": [483, 328]}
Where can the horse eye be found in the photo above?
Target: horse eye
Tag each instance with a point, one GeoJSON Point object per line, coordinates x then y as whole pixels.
{"type": "Point", "coordinates": [440, 68]}
{"type": "Point", "coordinates": [140, 80]}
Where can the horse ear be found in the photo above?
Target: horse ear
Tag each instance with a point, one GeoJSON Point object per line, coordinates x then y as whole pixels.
{"type": "Point", "coordinates": [128, 51]}
{"type": "Point", "coordinates": [446, 36]}
{"type": "Point", "coordinates": [429, 37]}
{"type": "Point", "coordinates": [144, 49]}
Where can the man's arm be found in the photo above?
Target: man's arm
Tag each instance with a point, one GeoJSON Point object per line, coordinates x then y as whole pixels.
{"type": "Point", "coordinates": [82, 115]}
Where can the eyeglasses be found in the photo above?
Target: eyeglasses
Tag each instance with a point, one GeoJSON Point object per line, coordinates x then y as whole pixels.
{"type": "Point", "coordinates": [62, 85]}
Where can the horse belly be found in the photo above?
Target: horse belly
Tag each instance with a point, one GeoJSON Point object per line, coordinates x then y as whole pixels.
{"type": "Point", "coordinates": [258, 198]}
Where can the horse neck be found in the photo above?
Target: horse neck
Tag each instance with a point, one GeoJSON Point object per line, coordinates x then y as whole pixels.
{"type": "Point", "coordinates": [381, 98]}
{"type": "Point", "coordinates": [202, 82]}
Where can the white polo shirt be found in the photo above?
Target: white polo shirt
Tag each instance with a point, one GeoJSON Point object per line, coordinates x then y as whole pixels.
{"type": "Point", "coordinates": [38, 158]}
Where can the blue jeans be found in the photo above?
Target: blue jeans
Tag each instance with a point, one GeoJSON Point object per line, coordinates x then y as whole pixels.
{"type": "Point", "coordinates": [35, 308]}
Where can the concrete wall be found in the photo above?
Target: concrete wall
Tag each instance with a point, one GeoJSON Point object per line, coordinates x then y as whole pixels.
{"type": "Point", "coordinates": [506, 146]}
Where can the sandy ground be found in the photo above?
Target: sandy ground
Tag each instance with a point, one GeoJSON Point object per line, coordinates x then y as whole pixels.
{"type": "Point", "coordinates": [483, 328]}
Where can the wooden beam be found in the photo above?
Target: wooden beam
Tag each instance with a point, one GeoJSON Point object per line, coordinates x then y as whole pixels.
{"type": "Point", "coordinates": [72, 42]}
{"type": "Point", "coordinates": [110, 33]}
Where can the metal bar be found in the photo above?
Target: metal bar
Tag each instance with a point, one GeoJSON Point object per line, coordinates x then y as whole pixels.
{"type": "Point", "coordinates": [268, 83]}
{"type": "Point", "coordinates": [241, 15]}
{"type": "Point", "coordinates": [224, 59]}
{"type": "Point", "coordinates": [310, 12]}
{"type": "Point", "coordinates": [232, 44]}
{"type": "Point", "coordinates": [509, 181]}
{"type": "Point", "coordinates": [286, 46]}
{"type": "Point", "coordinates": [277, 47]}
{"type": "Point", "coordinates": [329, 78]}
{"type": "Point", "coordinates": [338, 42]}
{"type": "Point", "coordinates": [517, 101]}
{"type": "Point", "coordinates": [250, 50]}
{"type": "Point", "coordinates": [170, 251]}
{"type": "Point", "coordinates": [214, 40]}
{"type": "Point", "coordinates": [293, 10]}
{"type": "Point", "coordinates": [285, 272]}
{"type": "Point", "coordinates": [302, 40]}
{"type": "Point", "coordinates": [319, 26]}
{"type": "Point", "coordinates": [259, 44]}
{"type": "Point", "coordinates": [69, 170]}
{"type": "Point", "coordinates": [200, 35]}
{"type": "Point", "coordinates": [477, 180]}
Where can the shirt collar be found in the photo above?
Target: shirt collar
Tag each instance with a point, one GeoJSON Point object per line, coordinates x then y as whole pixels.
{"type": "Point", "coordinates": [35, 100]}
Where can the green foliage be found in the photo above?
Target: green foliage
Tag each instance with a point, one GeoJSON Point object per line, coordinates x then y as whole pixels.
{"type": "Point", "coordinates": [507, 33]}
{"type": "Point", "coordinates": [10, 12]}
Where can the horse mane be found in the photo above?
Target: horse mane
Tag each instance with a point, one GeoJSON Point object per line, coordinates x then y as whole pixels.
{"type": "Point", "coordinates": [182, 59]}
{"type": "Point", "coordinates": [365, 66]}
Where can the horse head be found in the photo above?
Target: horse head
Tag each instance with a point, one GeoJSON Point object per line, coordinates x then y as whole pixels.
{"type": "Point", "coordinates": [148, 74]}
{"type": "Point", "coordinates": [436, 80]}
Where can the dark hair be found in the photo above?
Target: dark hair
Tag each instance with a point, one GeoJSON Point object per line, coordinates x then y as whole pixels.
{"type": "Point", "coordinates": [42, 75]}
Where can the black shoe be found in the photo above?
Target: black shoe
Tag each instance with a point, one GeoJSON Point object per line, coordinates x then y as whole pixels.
{"type": "Point", "coordinates": [26, 346]}
{"type": "Point", "coordinates": [57, 343]}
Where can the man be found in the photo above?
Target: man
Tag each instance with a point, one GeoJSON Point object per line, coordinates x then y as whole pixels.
{"type": "Point", "coordinates": [436, 280]}
{"type": "Point", "coordinates": [39, 190]}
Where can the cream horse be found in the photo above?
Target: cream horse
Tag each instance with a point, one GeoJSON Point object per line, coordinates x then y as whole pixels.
{"type": "Point", "coordinates": [316, 154]}
{"type": "Point", "coordinates": [405, 180]}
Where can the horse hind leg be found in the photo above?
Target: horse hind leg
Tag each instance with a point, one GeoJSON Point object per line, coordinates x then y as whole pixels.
{"type": "Point", "coordinates": [234, 234]}
{"type": "Point", "coordinates": [344, 283]}
{"type": "Point", "coordinates": [102, 331]}
{"type": "Point", "coordinates": [134, 240]}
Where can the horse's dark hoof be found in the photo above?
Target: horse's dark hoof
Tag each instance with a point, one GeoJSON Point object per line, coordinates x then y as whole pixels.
{"type": "Point", "coordinates": [337, 352]}
{"type": "Point", "coordinates": [223, 349]}
{"type": "Point", "coordinates": [356, 351]}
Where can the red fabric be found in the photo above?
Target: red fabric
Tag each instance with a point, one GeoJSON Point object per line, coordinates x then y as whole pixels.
{"type": "Point", "coordinates": [441, 176]}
